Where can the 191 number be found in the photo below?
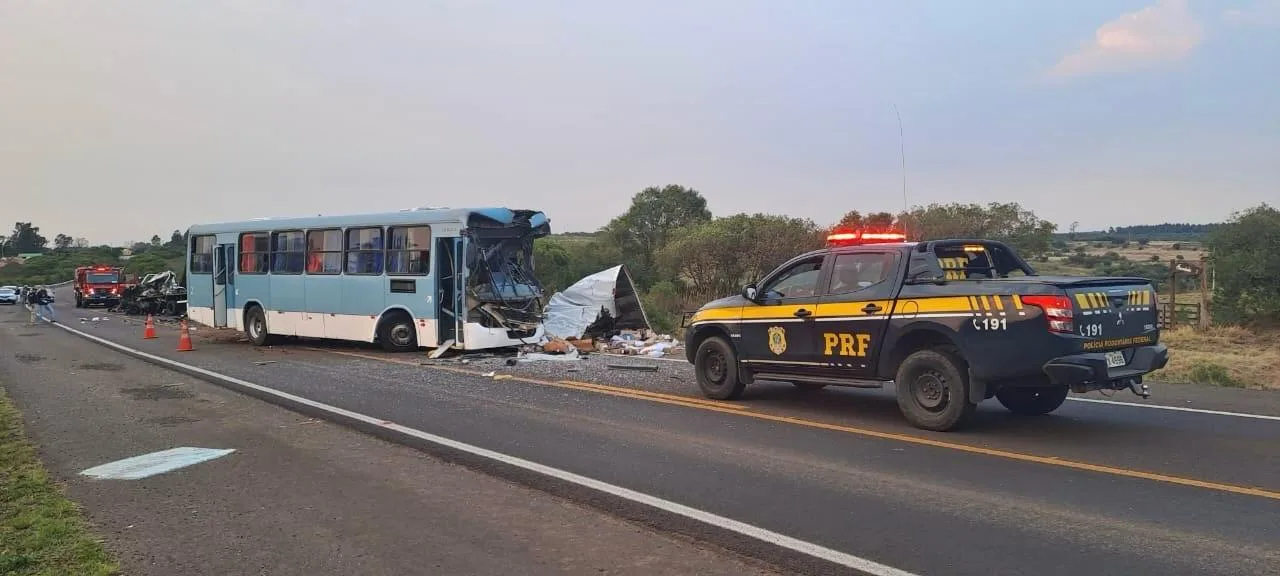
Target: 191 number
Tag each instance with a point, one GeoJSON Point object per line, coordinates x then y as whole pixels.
{"type": "Point", "coordinates": [1091, 330]}
{"type": "Point", "coordinates": [990, 324]}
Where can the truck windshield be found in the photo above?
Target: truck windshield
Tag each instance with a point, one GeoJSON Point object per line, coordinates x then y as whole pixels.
{"type": "Point", "coordinates": [102, 277]}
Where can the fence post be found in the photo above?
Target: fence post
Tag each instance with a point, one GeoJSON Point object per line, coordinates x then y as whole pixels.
{"type": "Point", "coordinates": [1173, 294]}
{"type": "Point", "coordinates": [1206, 317]}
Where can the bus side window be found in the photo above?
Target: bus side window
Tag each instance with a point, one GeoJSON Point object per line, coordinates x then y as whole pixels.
{"type": "Point", "coordinates": [408, 250]}
{"type": "Point", "coordinates": [324, 252]}
{"type": "Point", "coordinates": [364, 251]}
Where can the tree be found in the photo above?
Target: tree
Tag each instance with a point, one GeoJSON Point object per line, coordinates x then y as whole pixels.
{"type": "Point", "coordinates": [26, 238]}
{"type": "Point", "coordinates": [62, 242]}
{"type": "Point", "coordinates": [1009, 223]}
{"type": "Point", "coordinates": [80, 242]}
{"type": "Point", "coordinates": [1247, 266]}
{"type": "Point", "coordinates": [719, 257]}
{"type": "Point", "coordinates": [155, 239]}
{"type": "Point", "coordinates": [877, 220]}
{"type": "Point", "coordinates": [1071, 230]}
{"type": "Point", "coordinates": [177, 240]}
{"type": "Point", "coordinates": [644, 228]}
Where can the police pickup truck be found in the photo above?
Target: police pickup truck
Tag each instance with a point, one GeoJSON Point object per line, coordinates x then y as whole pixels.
{"type": "Point", "coordinates": [950, 322]}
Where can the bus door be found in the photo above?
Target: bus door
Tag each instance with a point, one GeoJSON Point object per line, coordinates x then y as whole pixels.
{"type": "Point", "coordinates": [223, 255]}
{"type": "Point", "coordinates": [450, 291]}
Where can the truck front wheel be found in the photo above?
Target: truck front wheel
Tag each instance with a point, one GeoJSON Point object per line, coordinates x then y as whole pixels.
{"type": "Point", "coordinates": [716, 367]}
{"type": "Point", "coordinates": [933, 390]}
{"type": "Point", "coordinates": [1032, 401]}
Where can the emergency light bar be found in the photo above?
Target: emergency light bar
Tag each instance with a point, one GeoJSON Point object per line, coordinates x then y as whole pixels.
{"type": "Point", "coordinates": [854, 237]}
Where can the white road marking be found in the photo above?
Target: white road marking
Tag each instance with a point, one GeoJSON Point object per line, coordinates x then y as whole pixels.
{"type": "Point", "coordinates": [1178, 409]}
{"type": "Point", "coordinates": [749, 530]}
{"type": "Point", "coordinates": [155, 463]}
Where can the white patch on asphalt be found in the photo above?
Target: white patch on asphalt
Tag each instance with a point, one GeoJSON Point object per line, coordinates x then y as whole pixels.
{"type": "Point", "coordinates": [155, 463]}
{"type": "Point", "coordinates": [780, 540]}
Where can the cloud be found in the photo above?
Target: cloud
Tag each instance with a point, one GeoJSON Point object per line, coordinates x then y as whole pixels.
{"type": "Point", "coordinates": [1160, 33]}
{"type": "Point", "coordinates": [1263, 13]}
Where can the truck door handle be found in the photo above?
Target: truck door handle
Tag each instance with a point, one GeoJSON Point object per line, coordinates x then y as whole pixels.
{"type": "Point", "coordinates": [802, 313]}
{"type": "Point", "coordinates": [870, 308]}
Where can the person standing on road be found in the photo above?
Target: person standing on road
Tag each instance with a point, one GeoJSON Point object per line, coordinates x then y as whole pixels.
{"type": "Point", "coordinates": [42, 308]}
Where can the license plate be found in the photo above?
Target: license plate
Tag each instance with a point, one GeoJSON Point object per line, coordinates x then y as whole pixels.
{"type": "Point", "coordinates": [1115, 359]}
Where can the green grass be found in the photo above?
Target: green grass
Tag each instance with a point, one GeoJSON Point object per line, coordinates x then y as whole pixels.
{"type": "Point", "coordinates": [41, 531]}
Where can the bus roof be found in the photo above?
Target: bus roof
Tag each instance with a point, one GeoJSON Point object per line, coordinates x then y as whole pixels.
{"type": "Point", "coordinates": [413, 216]}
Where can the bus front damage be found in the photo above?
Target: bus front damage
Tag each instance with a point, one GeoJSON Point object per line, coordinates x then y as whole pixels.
{"type": "Point", "coordinates": [503, 293]}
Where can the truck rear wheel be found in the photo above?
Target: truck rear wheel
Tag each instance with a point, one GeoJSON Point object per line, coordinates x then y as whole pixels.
{"type": "Point", "coordinates": [933, 390]}
{"type": "Point", "coordinates": [716, 367]}
{"type": "Point", "coordinates": [1032, 401]}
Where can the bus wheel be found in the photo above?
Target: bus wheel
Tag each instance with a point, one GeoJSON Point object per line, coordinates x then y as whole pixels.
{"type": "Point", "coordinates": [397, 333]}
{"type": "Point", "coordinates": [255, 323]}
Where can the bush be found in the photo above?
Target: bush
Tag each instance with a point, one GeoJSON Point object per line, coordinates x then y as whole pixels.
{"type": "Point", "coordinates": [1212, 373]}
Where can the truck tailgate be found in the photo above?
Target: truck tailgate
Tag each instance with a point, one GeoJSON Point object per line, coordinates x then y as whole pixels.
{"type": "Point", "coordinates": [1112, 313]}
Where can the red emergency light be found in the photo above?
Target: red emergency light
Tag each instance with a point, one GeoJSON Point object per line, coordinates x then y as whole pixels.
{"type": "Point", "coordinates": [856, 237]}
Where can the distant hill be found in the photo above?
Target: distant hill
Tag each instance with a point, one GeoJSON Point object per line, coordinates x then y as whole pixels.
{"type": "Point", "coordinates": [1156, 232]}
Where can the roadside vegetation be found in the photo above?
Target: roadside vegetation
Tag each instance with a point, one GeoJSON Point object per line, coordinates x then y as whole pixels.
{"type": "Point", "coordinates": [42, 533]}
{"type": "Point", "coordinates": [58, 263]}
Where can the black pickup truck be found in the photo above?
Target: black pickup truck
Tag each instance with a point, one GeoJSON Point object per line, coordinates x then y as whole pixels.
{"type": "Point", "coordinates": [950, 322]}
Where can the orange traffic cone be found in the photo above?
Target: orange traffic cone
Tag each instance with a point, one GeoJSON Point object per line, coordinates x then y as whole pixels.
{"type": "Point", "coordinates": [149, 332]}
{"type": "Point", "coordinates": [184, 338]}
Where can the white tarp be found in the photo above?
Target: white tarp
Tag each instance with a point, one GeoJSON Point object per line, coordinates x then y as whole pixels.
{"type": "Point", "coordinates": [577, 307]}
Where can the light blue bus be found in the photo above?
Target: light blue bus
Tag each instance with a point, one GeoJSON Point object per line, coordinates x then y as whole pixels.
{"type": "Point", "coordinates": [453, 278]}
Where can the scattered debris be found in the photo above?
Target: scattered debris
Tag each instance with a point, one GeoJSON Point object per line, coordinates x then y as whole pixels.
{"type": "Point", "coordinates": [571, 355]}
{"type": "Point", "coordinates": [438, 352]}
{"type": "Point", "coordinates": [263, 362]}
{"type": "Point", "coordinates": [597, 306]}
{"type": "Point", "coordinates": [636, 367]}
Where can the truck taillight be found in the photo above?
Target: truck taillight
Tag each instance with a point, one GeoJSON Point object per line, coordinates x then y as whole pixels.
{"type": "Point", "coordinates": [1058, 312]}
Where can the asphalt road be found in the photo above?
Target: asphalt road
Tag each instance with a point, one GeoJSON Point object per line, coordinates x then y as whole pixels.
{"type": "Point", "coordinates": [299, 496]}
{"type": "Point", "coordinates": [1100, 488]}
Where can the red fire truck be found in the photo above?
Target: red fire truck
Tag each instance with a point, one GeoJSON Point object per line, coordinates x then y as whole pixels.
{"type": "Point", "coordinates": [99, 285]}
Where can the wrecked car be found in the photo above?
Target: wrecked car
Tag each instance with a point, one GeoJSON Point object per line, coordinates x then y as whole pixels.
{"type": "Point", "coordinates": [159, 294]}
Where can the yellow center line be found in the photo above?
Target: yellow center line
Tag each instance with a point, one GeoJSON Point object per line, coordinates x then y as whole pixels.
{"type": "Point", "coordinates": [727, 408]}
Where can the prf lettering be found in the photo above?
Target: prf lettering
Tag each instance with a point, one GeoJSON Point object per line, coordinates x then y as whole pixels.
{"type": "Point", "coordinates": [845, 344]}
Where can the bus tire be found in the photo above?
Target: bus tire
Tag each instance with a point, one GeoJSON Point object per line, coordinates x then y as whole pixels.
{"type": "Point", "coordinates": [933, 390]}
{"type": "Point", "coordinates": [255, 324]}
{"type": "Point", "coordinates": [397, 333]}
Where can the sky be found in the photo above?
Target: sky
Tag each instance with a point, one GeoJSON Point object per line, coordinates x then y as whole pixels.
{"type": "Point", "coordinates": [121, 119]}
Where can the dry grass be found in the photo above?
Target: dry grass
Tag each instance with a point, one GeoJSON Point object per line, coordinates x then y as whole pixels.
{"type": "Point", "coordinates": [1162, 250]}
{"type": "Point", "coordinates": [1223, 356]}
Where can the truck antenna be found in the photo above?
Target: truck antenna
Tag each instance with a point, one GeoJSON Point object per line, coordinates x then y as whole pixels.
{"type": "Point", "coordinates": [902, 151]}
